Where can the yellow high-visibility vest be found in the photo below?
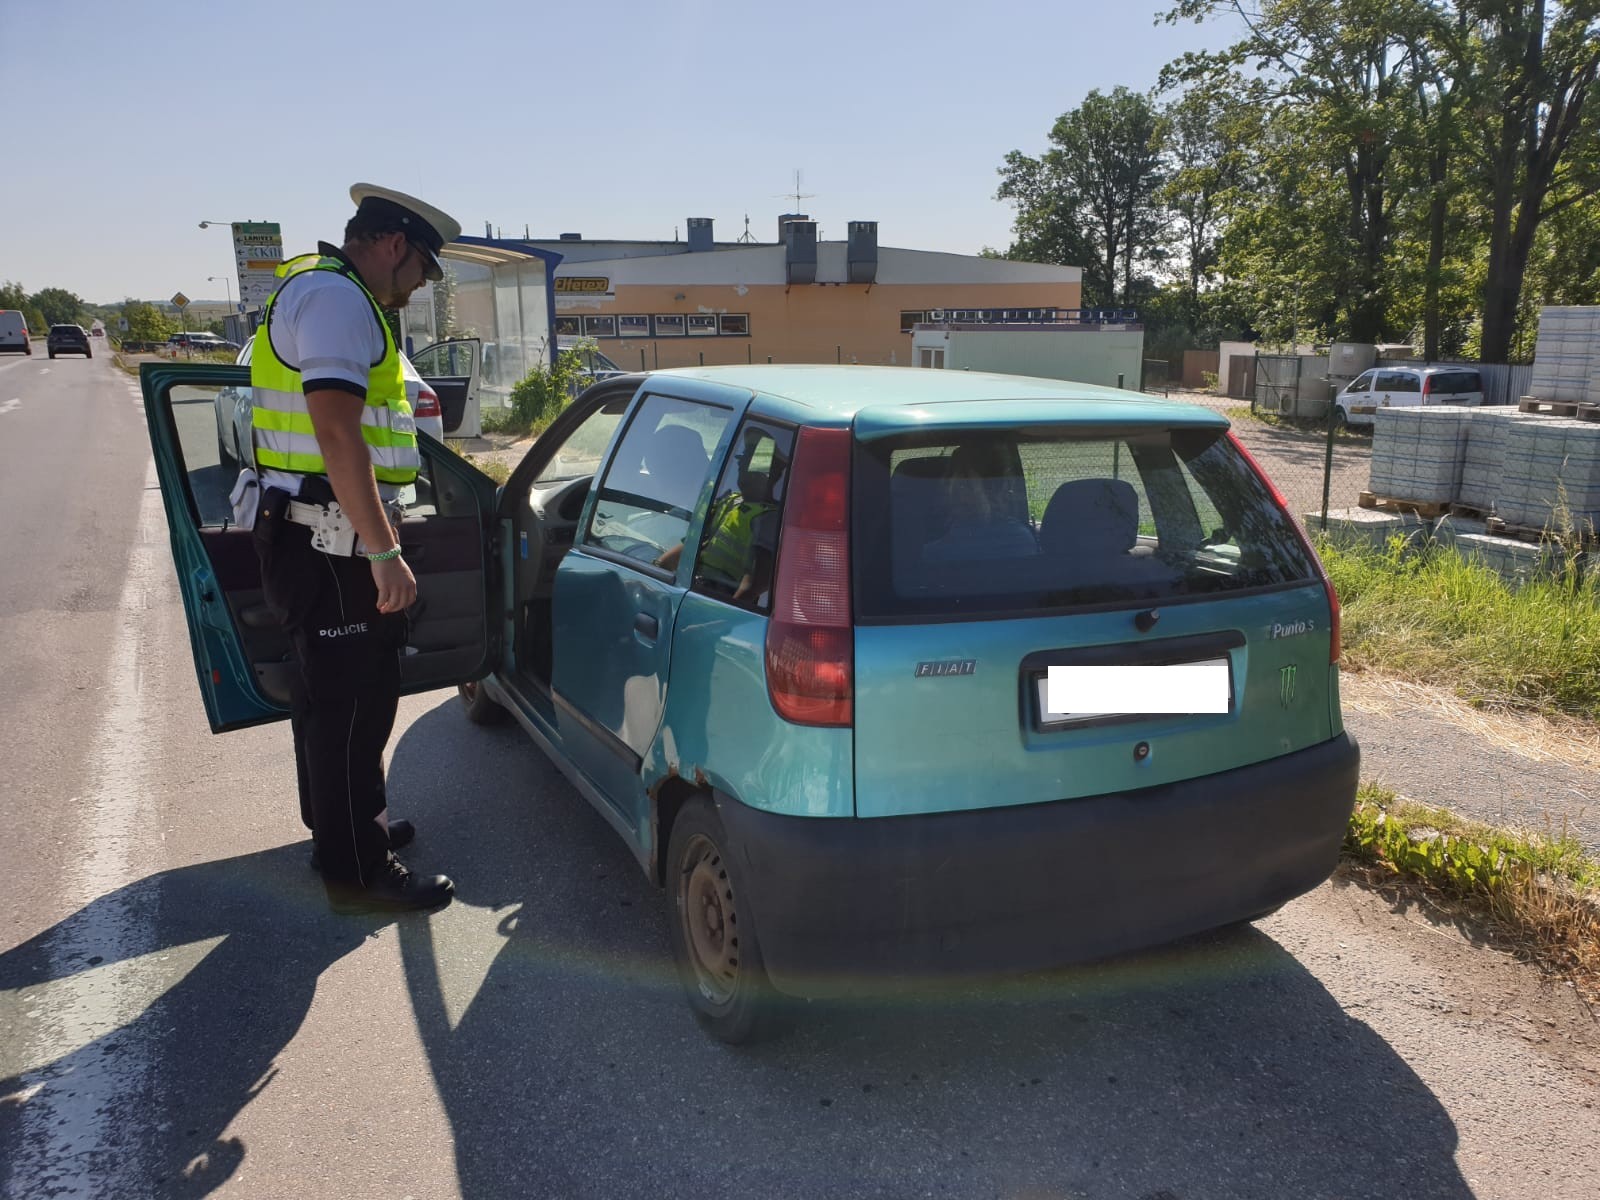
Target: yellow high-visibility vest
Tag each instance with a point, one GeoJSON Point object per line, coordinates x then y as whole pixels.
{"type": "Point", "coordinates": [284, 437]}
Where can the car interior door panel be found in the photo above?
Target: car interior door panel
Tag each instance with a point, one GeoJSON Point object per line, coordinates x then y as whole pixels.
{"type": "Point", "coordinates": [443, 533]}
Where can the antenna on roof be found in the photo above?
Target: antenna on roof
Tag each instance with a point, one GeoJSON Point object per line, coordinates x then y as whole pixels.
{"type": "Point", "coordinates": [747, 236]}
{"type": "Point", "coordinates": [797, 195]}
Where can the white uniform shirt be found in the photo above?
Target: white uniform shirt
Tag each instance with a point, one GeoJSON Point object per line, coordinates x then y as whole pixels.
{"type": "Point", "coordinates": [324, 326]}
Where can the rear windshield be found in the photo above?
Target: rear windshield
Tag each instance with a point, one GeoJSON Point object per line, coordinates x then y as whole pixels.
{"type": "Point", "coordinates": [1007, 522]}
{"type": "Point", "coordinates": [1455, 383]}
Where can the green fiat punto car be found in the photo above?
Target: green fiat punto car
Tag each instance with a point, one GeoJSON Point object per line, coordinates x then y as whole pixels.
{"type": "Point", "coordinates": [822, 644]}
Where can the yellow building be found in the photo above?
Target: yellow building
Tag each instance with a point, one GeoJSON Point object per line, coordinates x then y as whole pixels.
{"type": "Point", "coordinates": [670, 304]}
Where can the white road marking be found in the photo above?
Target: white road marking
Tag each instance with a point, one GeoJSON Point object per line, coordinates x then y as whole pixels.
{"type": "Point", "coordinates": [10, 405]}
{"type": "Point", "coordinates": [71, 1121]}
{"type": "Point", "coordinates": [44, 370]}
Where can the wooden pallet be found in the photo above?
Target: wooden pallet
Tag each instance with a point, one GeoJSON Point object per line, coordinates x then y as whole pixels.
{"type": "Point", "coordinates": [1534, 533]}
{"type": "Point", "coordinates": [1422, 508]}
{"type": "Point", "coordinates": [1560, 408]}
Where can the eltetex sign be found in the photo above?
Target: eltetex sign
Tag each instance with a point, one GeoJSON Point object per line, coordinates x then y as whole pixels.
{"type": "Point", "coordinates": [579, 285]}
{"type": "Point", "coordinates": [258, 250]}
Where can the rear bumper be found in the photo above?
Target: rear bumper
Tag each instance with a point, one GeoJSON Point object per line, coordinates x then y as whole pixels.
{"type": "Point", "coordinates": [1015, 889]}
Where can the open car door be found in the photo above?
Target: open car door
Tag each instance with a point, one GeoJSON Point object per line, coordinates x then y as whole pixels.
{"type": "Point", "coordinates": [241, 653]}
{"type": "Point", "coordinates": [452, 369]}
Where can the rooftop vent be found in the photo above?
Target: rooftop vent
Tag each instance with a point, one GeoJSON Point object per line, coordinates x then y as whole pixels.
{"type": "Point", "coordinates": [699, 234]}
{"type": "Point", "coordinates": [572, 237]}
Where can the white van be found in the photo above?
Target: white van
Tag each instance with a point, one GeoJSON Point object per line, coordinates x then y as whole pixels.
{"type": "Point", "coordinates": [1401, 387]}
{"type": "Point", "coordinates": [14, 333]}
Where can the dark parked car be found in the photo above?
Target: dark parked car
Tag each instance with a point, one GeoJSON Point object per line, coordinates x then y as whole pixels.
{"type": "Point", "coordinates": [68, 339]}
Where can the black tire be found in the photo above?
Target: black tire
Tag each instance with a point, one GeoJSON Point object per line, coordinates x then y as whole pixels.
{"type": "Point", "coordinates": [52, 354]}
{"type": "Point", "coordinates": [718, 957]}
{"type": "Point", "coordinates": [88, 353]}
{"type": "Point", "coordinates": [1339, 420]}
{"type": "Point", "coordinates": [481, 708]}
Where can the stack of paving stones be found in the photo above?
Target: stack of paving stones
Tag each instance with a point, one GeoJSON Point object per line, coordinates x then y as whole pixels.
{"type": "Point", "coordinates": [1566, 364]}
{"type": "Point", "coordinates": [1515, 561]}
{"type": "Point", "coordinates": [1483, 468]}
{"type": "Point", "coordinates": [1418, 453]}
{"type": "Point", "coordinates": [1552, 475]}
{"type": "Point", "coordinates": [1361, 527]}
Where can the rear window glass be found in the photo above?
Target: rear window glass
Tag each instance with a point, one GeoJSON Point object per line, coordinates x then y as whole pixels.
{"type": "Point", "coordinates": [1455, 383]}
{"type": "Point", "coordinates": [1009, 522]}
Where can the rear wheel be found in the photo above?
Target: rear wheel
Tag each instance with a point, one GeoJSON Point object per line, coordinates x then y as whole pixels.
{"type": "Point", "coordinates": [713, 939]}
{"type": "Point", "coordinates": [1339, 419]}
{"type": "Point", "coordinates": [481, 708]}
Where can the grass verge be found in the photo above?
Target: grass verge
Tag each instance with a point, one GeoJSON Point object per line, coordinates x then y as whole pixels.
{"type": "Point", "coordinates": [1536, 895]}
{"type": "Point", "coordinates": [1431, 616]}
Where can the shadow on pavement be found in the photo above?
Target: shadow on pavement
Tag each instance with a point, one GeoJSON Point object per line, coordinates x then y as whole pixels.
{"type": "Point", "coordinates": [569, 1065]}
{"type": "Point", "coordinates": [211, 1038]}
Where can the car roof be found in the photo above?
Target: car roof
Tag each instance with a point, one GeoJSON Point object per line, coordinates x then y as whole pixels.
{"type": "Point", "coordinates": [836, 394]}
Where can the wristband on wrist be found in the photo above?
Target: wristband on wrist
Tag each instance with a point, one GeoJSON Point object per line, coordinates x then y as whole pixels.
{"type": "Point", "coordinates": [384, 555]}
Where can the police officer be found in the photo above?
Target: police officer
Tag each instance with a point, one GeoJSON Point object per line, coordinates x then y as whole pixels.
{"type": "Point", "coordinates": [334, 443]}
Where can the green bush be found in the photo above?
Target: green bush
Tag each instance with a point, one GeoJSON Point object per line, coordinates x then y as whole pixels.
{"type": "Point", "coordinates": [541, 394]}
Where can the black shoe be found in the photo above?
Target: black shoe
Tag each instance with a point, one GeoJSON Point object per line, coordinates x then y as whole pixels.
{"type": "Point", "coordinates": [401, 834]}
{"type": "Point", "coordinates": [394, 890]}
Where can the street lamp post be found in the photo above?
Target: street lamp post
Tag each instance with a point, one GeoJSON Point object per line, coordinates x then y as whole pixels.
{"type": "Point", "coordinates": [228, 225]}
{"type": "Point", "coordinates": [227, 282]}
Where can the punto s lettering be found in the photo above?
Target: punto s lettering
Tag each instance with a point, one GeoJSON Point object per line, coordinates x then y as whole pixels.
{"type": "Point", "coordinates": [1285, 629]}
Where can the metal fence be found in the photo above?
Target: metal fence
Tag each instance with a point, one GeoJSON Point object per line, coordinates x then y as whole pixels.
{"type": "Point", "coordinates": [1155, 375]}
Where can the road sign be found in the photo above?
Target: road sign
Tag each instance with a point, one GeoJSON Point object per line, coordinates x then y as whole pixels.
{"type": "Point", "coordinates": [179, 300]}
{"type": "Point", "coordinates": [258, 251]}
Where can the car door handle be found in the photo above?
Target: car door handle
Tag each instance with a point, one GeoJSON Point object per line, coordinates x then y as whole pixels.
{"type": "Point", "coordinates": [646, 624]}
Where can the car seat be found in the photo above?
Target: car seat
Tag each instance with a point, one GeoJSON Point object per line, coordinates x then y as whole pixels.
{"type": "Point", "coordinates": [677, 464]}
{"type": "Point", "coordinates": [1094, 523]}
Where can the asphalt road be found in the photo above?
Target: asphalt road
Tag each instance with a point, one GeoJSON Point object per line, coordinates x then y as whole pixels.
{"type": "Point", "coordinates": [180, 1015]}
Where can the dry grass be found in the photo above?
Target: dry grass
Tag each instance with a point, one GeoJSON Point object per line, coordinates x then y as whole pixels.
{"type": "Point", "coordinates": [1541, 900]}
{"type": "Point", "coordinates": [1552, 737]}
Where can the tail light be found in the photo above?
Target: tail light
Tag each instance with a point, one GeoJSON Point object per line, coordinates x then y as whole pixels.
{"type": "Point", "coordinates": [1427, 385]}
{"type": "Point", "coordinates": [1334, 612]}
{"type": "Point", "coordinates": [427, 404]}
{"type": "Point", "coordinates": [810, 651]}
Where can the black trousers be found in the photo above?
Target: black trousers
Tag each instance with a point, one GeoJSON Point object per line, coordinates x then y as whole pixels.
{"type": "Point", "coordinates": [346, 689]}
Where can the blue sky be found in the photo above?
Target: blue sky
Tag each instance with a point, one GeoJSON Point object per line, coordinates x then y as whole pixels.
{"type": "Point", "coordinates": [610, 119]}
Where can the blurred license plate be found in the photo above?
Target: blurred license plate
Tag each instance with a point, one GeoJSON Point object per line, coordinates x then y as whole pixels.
{"type": "Point", "coordinates": [1093, 693]}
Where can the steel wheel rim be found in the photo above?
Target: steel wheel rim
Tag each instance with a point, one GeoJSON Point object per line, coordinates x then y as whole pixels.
{"type": "Point", "coordinates": [710, 920]}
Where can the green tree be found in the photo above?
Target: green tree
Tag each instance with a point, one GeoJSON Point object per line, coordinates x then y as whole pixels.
{"type": "Point", "coordinates": [146, 323]}
{"type": "Point", "coordinates": [1049, 226]}
{"type": "Point", "coordinates": [1339, 77]}
{"type": "Point", "coordinates": [1092, 196]}
{"type": "Point", "coordinates": [1538, 133]}
{"type": "Point", "coordinates": [1205, 163]}
{"type": "Point", "coordinates": [12, 295]}
{"type": "Point", "coordinates": [58, 306]}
